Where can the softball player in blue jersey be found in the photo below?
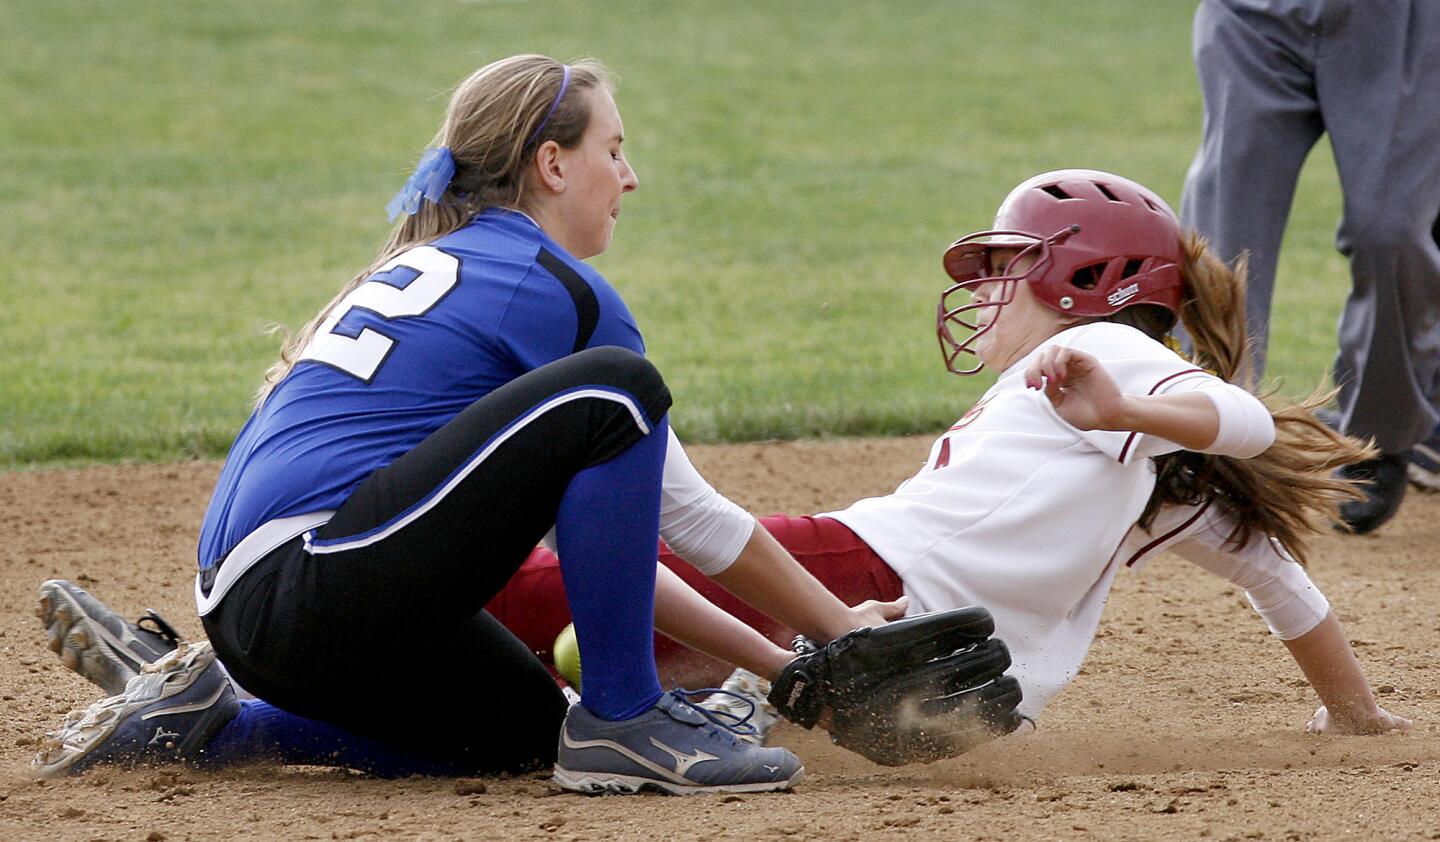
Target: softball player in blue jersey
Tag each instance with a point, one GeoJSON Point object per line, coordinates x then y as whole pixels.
{"type": "Point", "coordinates": [477, 385]}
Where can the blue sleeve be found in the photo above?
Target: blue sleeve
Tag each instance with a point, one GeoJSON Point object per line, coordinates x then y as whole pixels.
{"type": "Point", "coordinates": [543, 321]}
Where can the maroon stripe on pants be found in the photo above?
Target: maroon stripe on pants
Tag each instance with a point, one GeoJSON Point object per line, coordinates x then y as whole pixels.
{"type": "Point", "coordinates": [532, 605]}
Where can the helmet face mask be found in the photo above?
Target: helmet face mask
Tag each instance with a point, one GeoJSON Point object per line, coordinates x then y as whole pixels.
{"type": "Point", "coordinates": [969, 261]}
{"type": "Point", "coordinates": [1102, 243]}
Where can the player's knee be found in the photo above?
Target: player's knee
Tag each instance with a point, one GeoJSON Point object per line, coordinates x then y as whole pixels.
{"type": "Point", "coordinates": [622, 367]}
{"type": "Point", "coordinates": [625, 369]}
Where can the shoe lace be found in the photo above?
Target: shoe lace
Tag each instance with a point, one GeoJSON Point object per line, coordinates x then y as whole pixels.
{"type": "Point", "coordinates": [724, 718]}
{"type": "Point", "coordinates": [165, 630]}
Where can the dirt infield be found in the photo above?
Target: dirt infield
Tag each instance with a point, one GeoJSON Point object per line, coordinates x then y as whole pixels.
{"type": "Point", "coordinates": [1186, 722]}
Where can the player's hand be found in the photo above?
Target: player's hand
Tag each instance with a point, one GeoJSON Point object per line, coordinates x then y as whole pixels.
{"type": "Point", "coordinates": [1079, 388]}
{"type": "Point", "coordinates": [1379, 722]}
{"type": "Point", "coordinates": [875, 613]}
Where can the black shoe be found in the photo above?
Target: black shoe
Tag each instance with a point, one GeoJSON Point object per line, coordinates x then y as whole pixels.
{"type": "Point", "coordinates": [1383, 481]}
{"type": "Point", "coordinates": [1425, 463]}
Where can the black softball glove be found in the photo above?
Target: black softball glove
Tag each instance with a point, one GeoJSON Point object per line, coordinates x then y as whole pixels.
{"type": "Point", "coordinates": [916, 690]}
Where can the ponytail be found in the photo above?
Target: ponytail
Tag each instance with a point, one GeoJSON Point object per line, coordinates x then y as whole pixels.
{"type": "Point", "coordinates": [496, 120]}
{"type": "Point", "coordinates": [1280, 492]}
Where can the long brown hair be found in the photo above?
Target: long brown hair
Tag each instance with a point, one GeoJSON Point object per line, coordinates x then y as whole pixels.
{"type": "Point", "coordinates": [490, 129]}
{"type": "Point", "coordinates": [1282, 491]}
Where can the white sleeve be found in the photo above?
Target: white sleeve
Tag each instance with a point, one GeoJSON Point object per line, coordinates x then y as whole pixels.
{"type": "Point", "coordinates": [1246, 426]}
{"type": "Point", "coordinates": [1276, 585]}
{"type": "Point", "coordinates": [699, 523]}
{"type": "Point", "coordinates": [1141, 366]}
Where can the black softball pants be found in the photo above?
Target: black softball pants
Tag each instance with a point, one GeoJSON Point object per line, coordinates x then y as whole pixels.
{"type": "Point", "coordinates": [384, 635]}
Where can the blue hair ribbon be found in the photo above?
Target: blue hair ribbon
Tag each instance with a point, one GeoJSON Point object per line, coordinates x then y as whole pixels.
{"type": "Point", "coordinates": [432, 175]}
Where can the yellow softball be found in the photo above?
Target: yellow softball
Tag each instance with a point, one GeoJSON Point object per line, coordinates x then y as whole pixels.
{"type": "Point", "coordinates": [566, 653]}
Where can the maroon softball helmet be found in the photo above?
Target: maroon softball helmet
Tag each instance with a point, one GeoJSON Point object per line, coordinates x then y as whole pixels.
{"type": "Point", "coordinates": [1101, 243]}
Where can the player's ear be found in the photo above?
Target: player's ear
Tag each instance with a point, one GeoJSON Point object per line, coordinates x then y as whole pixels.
{"type": "Point", "coordinates": [549, 167]}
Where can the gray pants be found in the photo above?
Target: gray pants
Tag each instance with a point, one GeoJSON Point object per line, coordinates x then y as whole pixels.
{"type": "Point", "coordinates": [1276, 74]}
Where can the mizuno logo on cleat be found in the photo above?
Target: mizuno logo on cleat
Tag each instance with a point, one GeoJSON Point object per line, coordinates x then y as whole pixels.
{"type": "Point", "coordinates": [162, 737]}
{"type": "Point", "coordinates": [771, 769]}
{"type": "Point", "coordinates": [683, 761]}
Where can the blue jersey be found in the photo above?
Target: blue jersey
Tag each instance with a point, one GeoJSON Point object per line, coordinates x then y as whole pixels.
{"type": "Point", "coordinates": [423, 337]}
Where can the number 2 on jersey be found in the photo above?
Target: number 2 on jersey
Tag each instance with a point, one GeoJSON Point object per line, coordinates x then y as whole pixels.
{"type": "Point", "coordinates": [408, 285]}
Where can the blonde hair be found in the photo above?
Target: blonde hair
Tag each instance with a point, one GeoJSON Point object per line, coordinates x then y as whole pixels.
{"type": "Point", "coordinates": [490, 129]}
{"type": "Point", "coordinates": [1280, 492]}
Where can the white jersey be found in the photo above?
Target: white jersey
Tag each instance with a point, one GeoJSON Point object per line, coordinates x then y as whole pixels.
{"type": "Point", "coordinates": [1020, 512]}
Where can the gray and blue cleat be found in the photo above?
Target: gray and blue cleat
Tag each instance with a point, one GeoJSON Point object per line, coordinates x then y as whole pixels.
{"type": "Point", "coordinates": [675, 747]}
{"type": "Point", "coordinates": [96, 642]}
{"type": "Point", "coordinates": [168, 712]}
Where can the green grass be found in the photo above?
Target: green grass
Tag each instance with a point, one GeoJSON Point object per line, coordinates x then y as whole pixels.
{"type": "Point", "coordinates": [178, 176]}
